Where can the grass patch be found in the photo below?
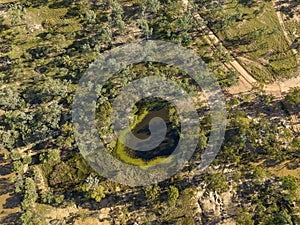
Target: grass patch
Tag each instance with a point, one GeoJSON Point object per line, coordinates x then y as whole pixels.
{"type": "Point", "coordinates": [259, 72]}
{"type": "Point", "coordinates": [258, 37]}
{"type": "Point", "coordinates": [293, 28]}
{"type": "Point", "coordinates": [124, 154]}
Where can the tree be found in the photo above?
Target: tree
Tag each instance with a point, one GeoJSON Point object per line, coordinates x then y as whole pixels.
{"type": "Point", "coordinates": [116, 15]}
{"type": "Point", "coordinates": [247, 3]}
{"type": "Point", "coordinates": [143, 23]}
{"type": "Point", "coordinates": [26, 218]}
{"type": "Point", "coordinates": [152, 193]}
{"type": "Point", "coordinates": [91, 17]}
{"type": "Point", "coordinates": [8, 138]}
{"type": "Point", "coordinates": [293, 98]}
{"type": "Point", "coordinates": [30, 194]}
{"type": "Point", "coordinates": [289, 183]}
{"type": "Point", "coordinates": [120, 24]}
{"type": "Point", "coordinates": [54, 155]}
{"type": "Point", "coordinates": [18, 166]}
{"type": "Point", "coordinates": [106, 35]}
{"type": "Point", "coordinates": [50, 156]}
{"type": "Point", "coordinates": [51, 89]}
{"type": "Point", "coordinates": [173, 195]}
{"type": "Point", "coordinates": [27, 160]}
{"type": "Point", "coordinates": [282, 217]}
{"type": "Point", "coordinates": [15, 155]}
{"type": "Point", "coordinates": [217, 182]}
{"type": "Point", "coordinates": [244, 218]}
{"type": "Point", "coordinates": [62, 174]}
{"type": "Point", "coordinates": [16, 14]}
{"type": "Point", "coordinates": [155, 5]}
{"type": "Point", "coordinates": [10, 98]}
{"type": "Point", "coordinates": [49, 197]}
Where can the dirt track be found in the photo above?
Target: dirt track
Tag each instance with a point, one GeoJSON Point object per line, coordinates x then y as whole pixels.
{"type": "Point", "coordinates": [278, 88]}
{"type": "Point", "coordinates": [246, 80]}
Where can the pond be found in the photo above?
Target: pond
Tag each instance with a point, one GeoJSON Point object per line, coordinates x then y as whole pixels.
{"type": "Point", "coordinates": [141, 131]}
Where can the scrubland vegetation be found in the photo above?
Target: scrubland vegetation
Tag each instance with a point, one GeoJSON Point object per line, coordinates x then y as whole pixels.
{"type": "Point", "coordinates": [46, 46]}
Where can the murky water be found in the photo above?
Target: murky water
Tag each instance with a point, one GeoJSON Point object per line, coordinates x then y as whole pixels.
{"type": "Point", "coordinates": [142, 131]}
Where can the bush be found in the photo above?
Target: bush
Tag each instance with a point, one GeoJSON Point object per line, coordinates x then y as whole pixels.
{"type": "Point", "coordinates": [173, 195]}
{"type": "Point", "coordinates": [244, 218]}
{"type": "Point", "coordinates": [152, 193]}
{"type": "Point", "coordinates": [217, 182]}
{"type": "Point", "coordinates": [98, 193]}
{"type": "Point", "coordinates": [289, 183]}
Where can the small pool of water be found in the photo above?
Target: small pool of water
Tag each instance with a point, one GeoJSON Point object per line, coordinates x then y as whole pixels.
{"type": "Point", "coordinates": [168, 145]}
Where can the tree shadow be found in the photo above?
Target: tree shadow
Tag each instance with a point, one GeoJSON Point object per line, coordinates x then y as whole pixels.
{"type": "Point", "coordinates": [2, 25]}
{"type": "Point", "coordinates": [11, 219]}
{"type": "Point", "coordinates": [295, 163]}
{"type": "Point", "coordinates": [5, 63]}
{"type": "Point", "coordinates": [236, 41]}
{"type": "Point", "coordinates": [5, 46]}
{"type": "Point", "coordinates": [6, 169]}
{"type": "Point", "coordinates": [36, 3]}
{"type": "Point", "coordinates": [130, 12]}
{"type": "Point", "coordinates": [12, 202]}
{"type": "Point", "coordinates": [5, 186]}
{"type": "Point", "coordinates": [74, 11]}
{"type": "Point", "coordinates": [248, 3]}
{"type": "Point", "coordinates": [40, 52]}
{"type": "Point", "coordinates": [5, 6]}
{"type": "Point", "coordinates": [288, 7]}
{"type": "Point", "coordinates": [61, 4]}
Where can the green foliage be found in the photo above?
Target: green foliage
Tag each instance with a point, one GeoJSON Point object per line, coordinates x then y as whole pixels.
{"type": "Point", "coordinates": [66, 139]}
{"type": "Point", "coordinates": [91, 182]}
{"type": "Point", "coordinates": [52, 156]}
{"type": "Point", "coordinates": [91, 16]}
{"type": "Point", "coordinates": [173, 195]}
{"type": "Point", "coordinates": [18, 166]}
{"type": "Point", "coordinates": [10, 98]}
{"type": "Point", "coordinates": [49, 197]}
{"type": "Point", "coordinates": [289, 183]}
{"type": "Point", "coordinates": [143, 23]}
{"type": "Point", "coordinates": [188, 220]}
{"type": "Point", "coordinates": [93, 189]}
{"type": "Point", "coordinates": [295, 144]}
{"type": "Point", "coordinates": [185, 205]}
{"type": "Point", "coordinates": [217, 182]}
{"type": "Point", "coordinates": [48, 47]}
{"type": "Point", "coordinates": [293, 98]}
{"type": "Point", "coordinates": [62, 174]}
{"type": "Point", "coordinates": [15, 155]}
{"type": "Point", "coordinates": [244, 218]}
{"type": "Point", "coordinates": [16, 14]}
{"type": "Point", "coordinates": [98, 193]}
{"type": "Point", "coordinates": [272, 204]}
{"type": "Point", "coordinates": [26, 218]}
{"type": "Point", "coordinates": [79, 164]}
{"type": "Point", "coordinates": [30, 193]}
{"type": "Point", "coordinates": [50, 89]}
{"type": "Point", "coordinates": [27, 160]}
{"type": "Point", "coordinates": [259, 174]}
{"type": "Point", "coordinates": [152, 193]}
